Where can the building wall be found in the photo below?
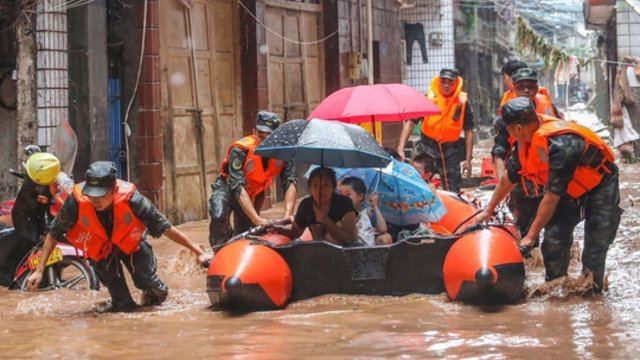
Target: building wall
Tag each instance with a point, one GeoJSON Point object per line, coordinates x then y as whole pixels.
{"type": "Point", "coordinates": [436, 17]}
{"type": "Point", "coordinates": [88, 83]}
{"type": "Point", "coordinates": [8, 159]}
{"type": "Point", "coordinates": [52, 69]}
{"type": "Point", "coordinates": [628, 39]}
{"type": "Point", "coordinates": [628, 28]}
{"type": "Point", "coordinates": [255, 93]}
{"type": "Point", "coordinates": [350, 18]}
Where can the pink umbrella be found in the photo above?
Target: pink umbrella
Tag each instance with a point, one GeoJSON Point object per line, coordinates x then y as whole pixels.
{"type": "Point", "coordinates": [380, 102]}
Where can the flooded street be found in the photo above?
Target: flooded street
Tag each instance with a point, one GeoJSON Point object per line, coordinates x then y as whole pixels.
{"type": "Point", "coordinates": [555, 321]}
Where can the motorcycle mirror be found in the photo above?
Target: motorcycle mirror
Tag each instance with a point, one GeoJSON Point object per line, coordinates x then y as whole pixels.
{"type": "Point", "coordinates": [32, 149]}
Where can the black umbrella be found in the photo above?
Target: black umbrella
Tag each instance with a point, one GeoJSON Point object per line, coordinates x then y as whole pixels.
{"type": "Point", "coordinates": [322, 142]}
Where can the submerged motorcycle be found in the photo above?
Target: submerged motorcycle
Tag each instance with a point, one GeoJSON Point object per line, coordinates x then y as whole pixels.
{"type": "Point", "coordinates": [40, 197]}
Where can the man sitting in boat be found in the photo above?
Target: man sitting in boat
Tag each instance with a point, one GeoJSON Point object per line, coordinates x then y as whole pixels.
{"type": "Point", "coordinates": [328, 215]}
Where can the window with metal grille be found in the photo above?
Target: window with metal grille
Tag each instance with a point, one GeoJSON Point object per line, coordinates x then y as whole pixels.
{"type": "Point", "coordinates": [428, 36]}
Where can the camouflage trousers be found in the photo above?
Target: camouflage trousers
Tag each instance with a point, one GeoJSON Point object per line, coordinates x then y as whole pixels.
{"type": "Point", "coordinates": [447, 162]}
{"type": "Point", "coordinates": [221, 204]}
{"type": "Point", "coordinates": [601, 212]}
{"type": "Point", "coordinates": [143, 266]}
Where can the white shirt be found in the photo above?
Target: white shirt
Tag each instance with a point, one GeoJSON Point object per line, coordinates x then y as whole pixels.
{"type": "Point", "coordinates": [366, 233]}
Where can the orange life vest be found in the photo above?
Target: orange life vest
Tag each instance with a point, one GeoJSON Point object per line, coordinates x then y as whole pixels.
{"type": "Point", "coordinates": [544, 105]}
{"type": "Point", "coordinates": [535, 159]}
{"type": "Point", "coordinates": [506, 97]}
{"type": "Point", "coordinates": [543, 118]}
{"type": "Point", "coordinates": [447, 126]}
{"type": "Point", "coordinates": [258, 178]}
{"type": "Point", "coordinates": [88, 234]}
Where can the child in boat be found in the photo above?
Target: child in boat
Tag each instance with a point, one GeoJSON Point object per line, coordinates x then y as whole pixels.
{"type": "Point", "coordinates": [426, 168]}
{"type": "Point", "coordinates": [356, 190]}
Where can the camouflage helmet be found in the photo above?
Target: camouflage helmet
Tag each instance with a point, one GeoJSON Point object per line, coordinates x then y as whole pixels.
{"type": "Point", "coordinates": [524, 74]}
{"type": "Point", "coordinates": [267, 121]}
{"type": "Point", "coordinates": [520, 110]}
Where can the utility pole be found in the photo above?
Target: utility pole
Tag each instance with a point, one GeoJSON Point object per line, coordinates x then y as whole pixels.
{"type": "Point", "coordinates": [26, 112]}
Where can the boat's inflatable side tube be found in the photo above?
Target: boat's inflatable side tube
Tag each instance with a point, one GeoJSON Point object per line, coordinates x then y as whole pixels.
{"type": "Point", "coordinates": [459, 213]}
{"type": "Point", "coordinates": [249, 276]}
{"type": "Point", "coordinates": [485, 266]}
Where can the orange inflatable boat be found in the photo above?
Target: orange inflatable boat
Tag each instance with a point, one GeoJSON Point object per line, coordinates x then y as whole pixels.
{"type": "Point", "coordinates": [472, 263]}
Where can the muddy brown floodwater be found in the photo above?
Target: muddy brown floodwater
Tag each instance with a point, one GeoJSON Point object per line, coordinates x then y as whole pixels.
{"type": "Point", "coordinates": [555, 321]}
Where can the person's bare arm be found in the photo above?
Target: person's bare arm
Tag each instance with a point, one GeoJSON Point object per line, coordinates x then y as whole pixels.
{"type": "Point", "coordinates": [546, 209]}
{"type": "Point", "coordinates": [499, 166]}
{"type": "Point", "coordinates": [33, 282]}
{"type": "Point", "coordinates": [290, 198]}
{"type": "Point", "coordinates": [345, 231]}
{"type": "Point", "coordinates": [292, 232]}
{"type": "Point", "coordinates": [407, 128]}
{"type": "Point", "coordinates": [466, 168]}
{"type": "Point", "coordinates": [247, 206]}
{"type": "Point", "coordinates": [180, 238]}
{"type": "Point", "coordinates": [500, 193]}
{"type": "Point", "coordinates": [381, 224]}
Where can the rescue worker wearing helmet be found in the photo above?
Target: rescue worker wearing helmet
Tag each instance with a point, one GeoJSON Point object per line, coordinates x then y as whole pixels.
{"type": "Point", "coordinates": [577, 170]}
{"type": "Point", "coordinates": [243, 179]}
{"type": "Point", "coordinates": [441, 134]}
{"type": "Point", "coordinates": [524, 198]}
{"type": "Point", "coordinates": [42, 193]}
{"type": "Point", "coordinates": [521, 81]}
{"type": "Point", "coordinates": [108, 219]}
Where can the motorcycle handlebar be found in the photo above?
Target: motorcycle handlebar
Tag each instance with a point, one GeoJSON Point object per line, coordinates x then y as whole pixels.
{"type": "Point", "coordinates": [16, 173]}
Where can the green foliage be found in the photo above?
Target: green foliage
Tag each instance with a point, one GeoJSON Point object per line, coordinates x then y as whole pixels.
{"type": "Point", "coordinates": [528, 42]}
{"type": "Point", "coordinates": [470, 17]}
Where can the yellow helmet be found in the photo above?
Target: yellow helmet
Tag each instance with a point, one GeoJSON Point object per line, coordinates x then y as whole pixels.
{"type": "Point", "coordinates": [43, 168]}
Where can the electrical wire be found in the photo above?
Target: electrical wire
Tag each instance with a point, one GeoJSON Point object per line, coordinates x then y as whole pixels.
{"type": "Point", "coordinates": [68, 4]}
{"type": "Point", "coordinates": [286, 39]}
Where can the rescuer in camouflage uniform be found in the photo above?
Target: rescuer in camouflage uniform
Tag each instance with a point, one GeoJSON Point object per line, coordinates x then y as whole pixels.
{"type": "Point", "coordinates": [524, 198]}
{"type": "Point", "coordinates": [581, 182]}
{"type": "Point", "coordinates": [243, 179]}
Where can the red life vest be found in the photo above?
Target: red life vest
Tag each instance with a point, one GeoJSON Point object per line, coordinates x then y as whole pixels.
{"type": "Point", "coordinates": [88, 234]}
{"type": "Point", "coordinates": [447, 126]}
{"type": "Point", "coordinates": [535, 159]}
{"type": "Point", "coordinates": [258, 178]}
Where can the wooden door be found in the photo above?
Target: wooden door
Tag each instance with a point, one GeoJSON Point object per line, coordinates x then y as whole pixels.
{"type": "Point", "coordinates": [295, 63]}
{"type": "Point", "coordinates": [202, 97]}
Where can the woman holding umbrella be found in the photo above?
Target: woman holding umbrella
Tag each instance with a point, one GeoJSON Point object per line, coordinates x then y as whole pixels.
{"type": "Point", "coordinates": [328, 215]}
